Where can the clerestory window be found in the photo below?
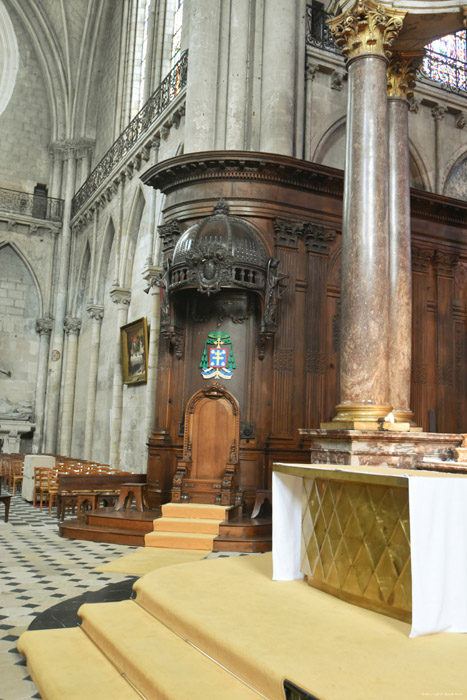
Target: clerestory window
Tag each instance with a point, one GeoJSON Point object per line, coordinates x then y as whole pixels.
{"type": "Point", "coordinates": [446, 61]}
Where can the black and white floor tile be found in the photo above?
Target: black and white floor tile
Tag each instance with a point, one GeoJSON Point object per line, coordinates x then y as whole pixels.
{"type": "Point", "coordinates": [44, 579]}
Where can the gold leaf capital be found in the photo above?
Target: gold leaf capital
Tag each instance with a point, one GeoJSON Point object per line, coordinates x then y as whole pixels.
{"type": "Point", "coordinates": [366, 28]}
{"type": "Point", "coordinates": [401, 72]}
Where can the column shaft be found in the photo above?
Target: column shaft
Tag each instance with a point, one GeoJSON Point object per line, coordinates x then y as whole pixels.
{"type": "Point", "coordinates": [400, 265]}
{"type": "Point", "coordinates": [278, 79]}
{"type": "Point", "coordinates": [72, 327]}
{"type": "Point", "coordinates": [365, 281]}
{"type": "Point", "coordinates": [122, 298]}
{"type": "Point", "coordinates": [43, 327]}
{"type": "Point", "coordinates": [96, 314]}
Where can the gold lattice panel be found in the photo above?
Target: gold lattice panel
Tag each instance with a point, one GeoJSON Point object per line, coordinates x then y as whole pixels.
{"type": "Point", "coordinates": [356, 543]}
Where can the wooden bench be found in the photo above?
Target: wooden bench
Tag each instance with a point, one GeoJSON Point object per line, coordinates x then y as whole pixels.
{"type": "Point", "coordinates": [135, 490]}
{"type": "Point", "coordinates": [84, 488]}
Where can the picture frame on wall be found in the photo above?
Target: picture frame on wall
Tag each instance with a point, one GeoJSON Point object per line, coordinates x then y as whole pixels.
{"type": "Point", "coordinates": [134, 344]}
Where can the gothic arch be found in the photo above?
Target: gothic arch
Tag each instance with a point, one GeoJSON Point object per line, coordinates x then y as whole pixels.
{"type": "Point", "coordinates": [9, 57]}
{"type": "Point", "coordinates": [24, 259]}
{"type": "Point", "coordinates": [80, 287]}
{"type": "Point", "coordinates": [102, 266]}
{"type": "Point", "coordinates": [329, 138]}
{"type": "Point", "coordinates": [419, 174]}
{"type": "Point", "coordinates": [456, 160]}
{"type": "Point", "coordinates": [131, 238]}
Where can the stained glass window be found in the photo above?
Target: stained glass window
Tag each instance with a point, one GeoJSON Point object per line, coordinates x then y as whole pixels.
{"type": "Point", "coordinates": [446, 60]}
{"type": "Point", "coordinates": [177, 33]}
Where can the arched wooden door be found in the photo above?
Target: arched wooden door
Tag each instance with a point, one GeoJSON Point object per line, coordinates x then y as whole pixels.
{"type": "Point", "coordinates": [207, 472]}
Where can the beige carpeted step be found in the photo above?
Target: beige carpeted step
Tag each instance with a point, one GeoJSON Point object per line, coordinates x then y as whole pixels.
{"type": "Point", "coordinates": [158, 662]}
{"type": "Point", "coordinates": [179, 540]}
{"type": "Point", "coordinates": [195, 510]}
{"type": "Point", "coordinates": [207, 526]}
{"type": "Point", "coordinates": [65, 664]}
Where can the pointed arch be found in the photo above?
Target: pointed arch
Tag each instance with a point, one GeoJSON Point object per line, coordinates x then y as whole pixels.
{"type": "Point", "coordinates": [103, 261]}
{"type": "Point", "coordinates": [328, 140]}
{"type": "Point", "coordinates": [131, 237]}
{"type": "Point", "coordinates": [77, 306]}
{"type": "Point", "coordinates": [419, 175]}
{"type": "Point", "coordinates": [8, 242]}
{"type": "Point", "coordinates": [452, 165]}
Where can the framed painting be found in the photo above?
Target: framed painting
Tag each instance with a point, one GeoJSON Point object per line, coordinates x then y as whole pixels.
{"type": "Point", "coordinates": [134, 340]}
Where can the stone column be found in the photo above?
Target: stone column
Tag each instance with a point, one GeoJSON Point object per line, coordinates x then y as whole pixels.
{"type": "Point", "coordinates": [121, 297]}
{"type": "Point", "coordinates": [238, 75]}
{"type": "Point", "coordinates": [201, 96]}
{"type": "Point", "coordinates": [153, 355]}
{"type": "Point", "coordinates": [278, 78]}
{"type": "Point", "coordinates": [56, 355]}
{"type": "Point", "coordinates": [310, 72]}
{"type": "Point", "coordinates": [44, 328]}
{"type": "Point", "coordinates": [401, 79]}
{"type": "Point", "coordinates": [365, 34]}
{"type": "Point", "coordinates": [438, 113]}
{"type": "Point", "coordinates": [72, 328]}
{"type": "Point", "coordinates": [96, 314]}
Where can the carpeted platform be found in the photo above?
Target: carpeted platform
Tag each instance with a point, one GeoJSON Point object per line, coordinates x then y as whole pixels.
{"type": "Point", "coordinates": [143, 561]}
{"type": "Point", "coordinates": [231, 612]}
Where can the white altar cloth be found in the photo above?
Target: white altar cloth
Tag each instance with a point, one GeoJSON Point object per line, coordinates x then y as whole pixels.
{"type": "Point", "coordinates": [438, 534]}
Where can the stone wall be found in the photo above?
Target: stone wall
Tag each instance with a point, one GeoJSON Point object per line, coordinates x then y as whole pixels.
{"type": "Point", "coordinates": [25, 123]}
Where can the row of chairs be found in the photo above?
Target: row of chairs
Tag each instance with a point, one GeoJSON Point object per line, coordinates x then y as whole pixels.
{"type": "Point", "coordinates": [11, 470]}
{"type": "Point", "coordinates": [46, 483]}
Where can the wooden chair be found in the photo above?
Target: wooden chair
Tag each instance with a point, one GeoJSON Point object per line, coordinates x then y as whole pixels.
{"type": "Point", "coordinates": [52, 488]}
{"type": "Point", "coordinates": [16, 474]}
{"type": "Point", "coordinates": [41, 486]}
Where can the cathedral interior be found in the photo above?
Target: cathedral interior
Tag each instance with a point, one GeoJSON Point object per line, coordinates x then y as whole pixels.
{"type": "Point", "coordinates": [233, 235]}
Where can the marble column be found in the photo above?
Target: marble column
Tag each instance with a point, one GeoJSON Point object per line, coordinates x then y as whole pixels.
{"type": "Point", "coordinates": [278, 78]}
{"type": "Point", "coordinates": [96, 314]}
{"type": "Point", "coordinates": [57, 339]}
{"type": "Point", "coordinates": [72, 328]}
{"type": "Point", "coordinates": [44, 328]}
{"type": "Point", "coordinates": [365, 34]}
{"type": "Point", "coordinates": [120, 297]}
{"type": "Point", "coordinates": [401, 79]}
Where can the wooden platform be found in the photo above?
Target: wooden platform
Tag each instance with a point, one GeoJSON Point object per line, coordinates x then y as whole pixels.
{"type": "Point", "coordinates": [108, 525]}
{"type": "Point", "coordinates": [239, 534]}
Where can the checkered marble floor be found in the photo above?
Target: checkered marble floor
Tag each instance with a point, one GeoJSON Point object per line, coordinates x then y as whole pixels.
{"type": "Point", "coordinates": [40, 570]}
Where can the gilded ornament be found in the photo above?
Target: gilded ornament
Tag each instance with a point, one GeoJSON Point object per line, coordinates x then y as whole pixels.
{"type": "Point", "coordinates": [366, 28]}
{"type": "Point", "coordinates": [402, 69]}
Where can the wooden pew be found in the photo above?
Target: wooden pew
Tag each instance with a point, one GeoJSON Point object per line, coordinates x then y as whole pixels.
{"type": "Point", "coordinates": [91, 487]}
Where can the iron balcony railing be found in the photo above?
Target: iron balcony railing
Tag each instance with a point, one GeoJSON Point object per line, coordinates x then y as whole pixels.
{"type": "Point", "coordinates": [437, 70]}
{"type": "Point", "coordinates": [33, 205]}
{"type": "Point", "coordinates": [170, 87]}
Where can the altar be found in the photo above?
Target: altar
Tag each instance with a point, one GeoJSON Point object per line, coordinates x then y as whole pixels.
{"type": "Point", "coordinates": [390, 540]}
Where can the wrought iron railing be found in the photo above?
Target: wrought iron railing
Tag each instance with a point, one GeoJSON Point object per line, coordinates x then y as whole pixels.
{"type": "Point", "coordinates": [170, 87]}
{"type": "Point", "coordinates": [33, 205]}
{"type": "Point", "coordinates": [437, 70]}
{"type": "Point", "coordinates": [447, 73]}
{"type": "Point", "coordinates": [318, 33]}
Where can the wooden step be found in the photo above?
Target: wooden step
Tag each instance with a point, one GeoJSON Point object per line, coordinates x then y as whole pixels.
{"type": "Point", "coordinates": [207, 526]}
{"type": "Point", "coordinates": [79, 530]}
{"type": "Point", "coordinates": [244, 527]}
{"type": "Point", "coordinates": [154, 659]}
{"type": "Point", "coordinates": [251, 545]}
{"type": "Point", "coordinates": [64, 663]}
{"type": "Point", "coordinates": [179, 540]}
{"type": "Point", "coordinates": [195, 510]}
{"type": "Point", "coordinates": [126, 519]}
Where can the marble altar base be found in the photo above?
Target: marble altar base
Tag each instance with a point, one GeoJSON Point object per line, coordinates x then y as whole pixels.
{"type": "Point", "coordinates": [375, 447]}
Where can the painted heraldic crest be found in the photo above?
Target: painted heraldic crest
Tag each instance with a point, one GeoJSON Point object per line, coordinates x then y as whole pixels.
{"type": "Point", "coordinates": [217, 361]}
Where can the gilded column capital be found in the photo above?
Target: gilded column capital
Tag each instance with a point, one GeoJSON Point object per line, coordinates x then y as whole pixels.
{"type": "Point", "coordinates": [72, 325]}
{"type": "Point", "coordinates": [95, 311]}
{"type": "Point", "coordinates": [366, 28]}
{"type": "Point", "coordinates": [401, 72]}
